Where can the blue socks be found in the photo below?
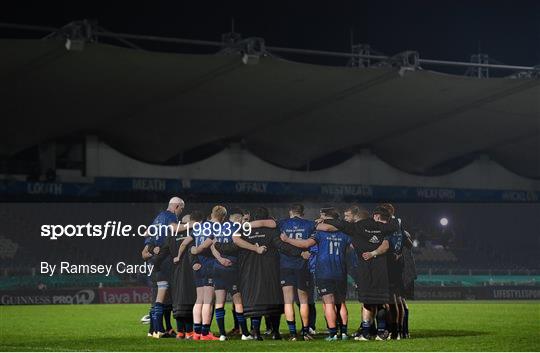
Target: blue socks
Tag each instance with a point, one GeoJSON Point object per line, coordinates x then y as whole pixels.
{"type": "Point", "coordinates": [366, 328]}
{"type": "Point", "coordinates": [256, 325]}
{"type": "Point", "coordinates": [151, 315]}
{"type": "Point", "coordinates": [381, 321]}
{"type": "Point", "coordinates": [332, 331]}
{"type": "Point", "coordinates": [157, 318]}
{"type": "Point", "coordinates": [220, 319]}
{"type": "Point", "coordinates": [292, 327]}
{"type": "Point", "coordinates": [241, 320]}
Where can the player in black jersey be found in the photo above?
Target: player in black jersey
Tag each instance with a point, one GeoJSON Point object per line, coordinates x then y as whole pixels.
{"type": "Point", "coordinates": [398, 241]}
{"type": "Point", "coordinates": [369, 240]}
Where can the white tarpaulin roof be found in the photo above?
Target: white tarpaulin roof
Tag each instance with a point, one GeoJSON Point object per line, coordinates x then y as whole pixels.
{"type": "Point", "coordinates": [154, 105]}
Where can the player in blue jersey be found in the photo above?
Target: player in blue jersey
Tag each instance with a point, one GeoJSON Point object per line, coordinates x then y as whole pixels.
{"type": "Point", "coordinates": [226, 278]}
{"type": "Point", "coordinates": [165, 224]}
{"type": "Point", "coordinates": [202, 236]}
{"type": "Point", "coordinates": [330, 268]}
{"type": "Point", "coordinates": [294, 271]}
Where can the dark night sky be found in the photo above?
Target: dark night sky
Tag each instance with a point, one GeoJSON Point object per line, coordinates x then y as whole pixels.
{"type": "Point", "coordinates": [508, 31]}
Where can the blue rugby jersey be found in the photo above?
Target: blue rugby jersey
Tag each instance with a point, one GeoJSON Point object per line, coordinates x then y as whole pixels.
{"type": "Point", "coordinates": [160, 232]}
{"type": "Point", "coordinates": [227, 231]}
{"type": "Point", "coordinates": [295, 228]}
{"type": "Point", "coordinates": [332, 254]}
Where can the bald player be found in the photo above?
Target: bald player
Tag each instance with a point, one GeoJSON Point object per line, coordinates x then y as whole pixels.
{"type": "Point", "coordinates": [165, 224]}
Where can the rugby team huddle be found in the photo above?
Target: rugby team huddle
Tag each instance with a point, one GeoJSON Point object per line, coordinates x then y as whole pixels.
{"type": "Point", "coordinates": [275, 266]}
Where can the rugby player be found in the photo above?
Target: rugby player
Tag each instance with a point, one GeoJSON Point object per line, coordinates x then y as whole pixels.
{"type": "Point", "coordinates": [395, 265]}
{"type": "Point", "coordinates": [183, 290]}
{"type": "Point", "coordinates": [330, 269]}
{"type": "Point", "coordinates": [409, 275]}
{"type": "Point", "coordinates": [369, 241]}
{"type": "Point", "coordinates": [353, 214]}
{"type": "Point", "coordinates": [226, 279]}
{"type": "Point", "coordinates": [258, 261]}
{"type": "Point", "coordinates": [203, 308]}
{"type": "Point", "coordinates": [165, 224]}
{"type": "Point", "coordinates": [164, 260]}
{"type": "Point", "coordinates": [294, 271]}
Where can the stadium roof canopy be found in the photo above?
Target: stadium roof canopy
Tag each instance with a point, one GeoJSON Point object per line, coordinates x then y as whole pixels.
{"type": "Point", "coordinates": [153, 105]}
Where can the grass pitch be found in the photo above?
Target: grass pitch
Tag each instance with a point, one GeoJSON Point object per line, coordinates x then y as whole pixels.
{"type": "Point", "coordinates": [435, 326]}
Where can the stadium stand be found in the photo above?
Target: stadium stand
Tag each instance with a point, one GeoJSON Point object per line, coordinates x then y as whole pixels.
{"type": "Point", "coordinates": [421, 155]}
{"type": "Point", "coordinates": [22, 248]}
